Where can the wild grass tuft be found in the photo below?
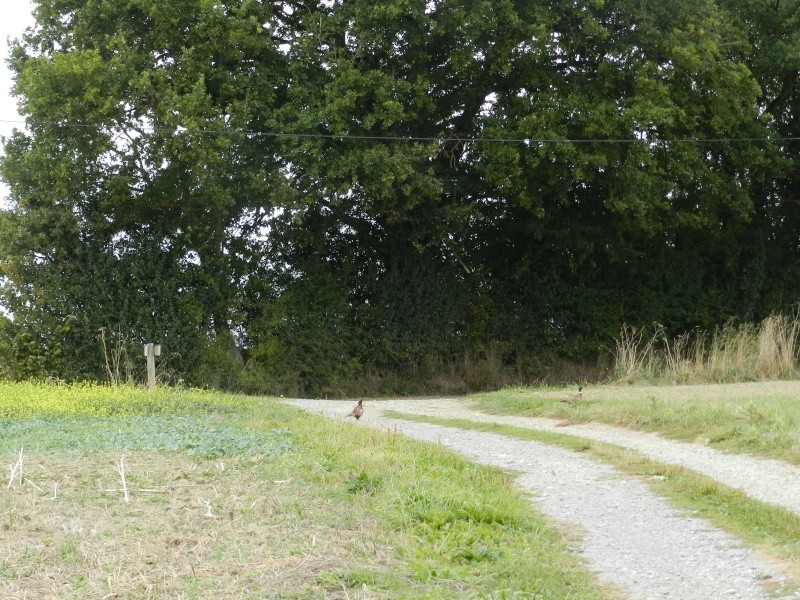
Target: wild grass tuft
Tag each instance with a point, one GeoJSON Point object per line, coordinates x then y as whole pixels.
{"type": "Point", "coordinates": [732, 353]}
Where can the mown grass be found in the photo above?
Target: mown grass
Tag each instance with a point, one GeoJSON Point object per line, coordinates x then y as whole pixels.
{"type": "Point", "coordinates": [775, 531]}
{"type": "Point", "coordinates": [232, 496]}
{"type": "Point", "coordinates": [761, 418]}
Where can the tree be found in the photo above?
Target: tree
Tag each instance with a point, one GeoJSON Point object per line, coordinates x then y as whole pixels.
{"type": "Point", "coordinates": [344, 188]}
{"type": "Point", "coordinates": [772, 54]}
{"type": "Point", "coordinates": [135, 161]}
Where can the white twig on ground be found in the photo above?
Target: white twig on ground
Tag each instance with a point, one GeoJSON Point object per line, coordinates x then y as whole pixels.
{"type": "Point", "coordinates": [55, 490]}
{"type": "Point", "coordinates": [34, 485]}
{"type": "Point", "coordinates": [121, 471]}
{"type": "Point", "coordinates": [16, 470]}
{"type": "Point", "coordinates": [207, 504]}
{"type": "Point", "coordinates": [143, 490]}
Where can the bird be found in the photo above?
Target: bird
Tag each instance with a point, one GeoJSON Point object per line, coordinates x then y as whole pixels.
{"type": "Point", "coordinates": [576, 396]}
{"type": "Point", "coordinates": [357, 411]}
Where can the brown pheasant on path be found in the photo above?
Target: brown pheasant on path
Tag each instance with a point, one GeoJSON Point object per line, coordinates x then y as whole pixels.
{"type": "Point", "coordinates": [357, 411]}
{"type": "Point", "coordinates": [575, 397]}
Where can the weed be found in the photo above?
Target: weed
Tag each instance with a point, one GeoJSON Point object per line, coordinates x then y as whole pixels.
{"type": "Point", "coordinates": [117, 358]}
{"type": "Point", "coordinates": [362, 483]}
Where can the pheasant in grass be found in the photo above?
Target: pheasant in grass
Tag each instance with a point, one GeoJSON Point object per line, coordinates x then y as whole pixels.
{"type": "Point", "coordinates": [576, 396]}
{"type": "Point", "coordinates": [357, 411]}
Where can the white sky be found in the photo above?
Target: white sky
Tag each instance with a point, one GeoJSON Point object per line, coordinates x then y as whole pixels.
{"type": "Point", "coordinates": [15, 19]}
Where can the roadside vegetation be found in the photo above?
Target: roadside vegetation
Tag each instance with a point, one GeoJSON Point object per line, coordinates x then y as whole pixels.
{"type": "Point", "coordinates": [735, 388]}
{"type": "Point", "coordinates": [735, 352]}
{"type": "Point", "coordinates": [774, 530]}
{"type": "Point", "coordinates": [178, 493]}
{"type": "Point", "coordinates": [762, 418]}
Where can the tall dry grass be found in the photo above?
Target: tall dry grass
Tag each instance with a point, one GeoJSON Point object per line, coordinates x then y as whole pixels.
{"type": "Point", "coordinates": [734, 352]}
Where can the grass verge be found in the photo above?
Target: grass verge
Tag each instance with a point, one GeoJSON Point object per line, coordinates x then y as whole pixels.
{"type": "Point", "coordinates": [760, 418]}
{"type": "Point", "coordinates": [238, 497]}
{"type": "Point", "coordinates": [772, 529]}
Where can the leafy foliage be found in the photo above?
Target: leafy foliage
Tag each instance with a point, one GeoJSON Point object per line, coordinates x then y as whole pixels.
{"type": "Point", "coordinates": [202, 438]}
{"type": "Point", "coordinates": [293, 197]}
{"type": "Point", "coordinates": [87, 418]}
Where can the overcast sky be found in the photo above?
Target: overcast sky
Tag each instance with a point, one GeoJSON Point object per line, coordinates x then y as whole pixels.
{"type": "Point", "coordinates": [16, 17]}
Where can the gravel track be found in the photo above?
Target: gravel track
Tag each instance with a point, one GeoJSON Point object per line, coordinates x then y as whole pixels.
{"type": "Point", "coordinates": [764, 479]}
{"type": "Point", "coordinates": [630, 536]}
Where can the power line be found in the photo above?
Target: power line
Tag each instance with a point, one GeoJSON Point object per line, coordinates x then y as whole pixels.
{"type": "Point", "coordinates": [412, 138]}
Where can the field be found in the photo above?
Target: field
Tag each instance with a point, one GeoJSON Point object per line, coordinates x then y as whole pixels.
{"type": "Point", "coordinates": [117, 492]}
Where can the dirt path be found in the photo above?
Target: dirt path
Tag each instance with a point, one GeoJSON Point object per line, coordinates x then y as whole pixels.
{"type": "Point", "coordinates": [630, 536]}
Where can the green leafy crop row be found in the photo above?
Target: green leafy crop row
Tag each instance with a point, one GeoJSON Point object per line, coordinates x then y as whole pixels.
{"type": "Point", "coordinates": [33, 400]}
{"type": "Point", "coordinates": [88, 418]}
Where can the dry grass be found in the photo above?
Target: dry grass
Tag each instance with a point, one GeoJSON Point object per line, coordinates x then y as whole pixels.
{"type": "Point", "coordinates": [224, 529]}
{"type": "Point", "coordinates": [745, 352]}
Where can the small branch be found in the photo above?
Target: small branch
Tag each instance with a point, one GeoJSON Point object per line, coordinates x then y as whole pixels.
{"type": "Point", "coordinates": [143, 490]}
{"type": "Point", "coordinates": [16, 470]}
{"type": "Point", "coordinates": [121, 471]}
{"type": "Point", "coordinates": [34, 485]}
{"type": "Point", "coordinates": [207, 504]}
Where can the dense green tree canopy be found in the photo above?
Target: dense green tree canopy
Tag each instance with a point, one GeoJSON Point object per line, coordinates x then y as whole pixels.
{"type": "Point", "coordinates": [346, 190]}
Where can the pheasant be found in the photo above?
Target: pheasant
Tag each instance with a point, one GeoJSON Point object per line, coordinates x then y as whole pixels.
{"type": "Point", "coordinates": [357, 411]}
{"type": "Point", "coordinates": [576, 396]}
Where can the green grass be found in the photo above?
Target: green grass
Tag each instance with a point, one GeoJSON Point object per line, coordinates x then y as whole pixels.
{"type": "Point", "coordinates": [772, 529]}
{"type": "Point", "coordinates": [241, 497]}
{"type": "Point", "coordinates": [761, 418]}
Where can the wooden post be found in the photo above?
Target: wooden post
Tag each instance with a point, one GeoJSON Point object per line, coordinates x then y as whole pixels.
{"type": "Point", "coordinates": [150, 353]}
